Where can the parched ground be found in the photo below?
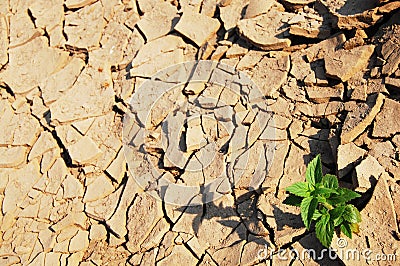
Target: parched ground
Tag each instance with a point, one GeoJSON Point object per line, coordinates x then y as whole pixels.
{"type": "Point", "coordinates": [328, 71]}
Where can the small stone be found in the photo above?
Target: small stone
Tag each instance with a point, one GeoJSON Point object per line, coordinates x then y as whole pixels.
{"type": "Point", "coordinates": [314, 32]}
{"type": "Point", "coordinates": [72, 4]}
{"type": "Point", "coordinates": [147, 5]}
{"type": "Point", "coordinates": [179, 255]}
{"type": "Point", "coordinates": [3, 40]}
{"type": "Point", "coordinates": [360, 118]}
{"type": "Point", "coordinates": [143, 215]}
{"type": "Point", "coordinates": [31, 63]}
{"type": "Point", "coordinates": [159, 21]}
{"type": "Point", "coordinates": [390, 112]}
{"type": "Point", "coordinates": [44, 143]}
{"type": "Point", "coordinates": [190, 6]}
{"type": "Point", "coordinates": [358, 14]}
{"type": "Point", "coordinates": [49, 158]}
{"type": "Point", "coordinates": [357, 40]}
{"type": "Point", "coordinates": [385, 153]}
{"type": "Point", "coordinates": [135, 42]}
{"type": "Point", "coordinates": [73, 218]}
{"type": "Point", "coordinates": [344, 64]}
{"type": "Point", "coordinates": [207, 261]}
{"type": "Point", "coordinates": [56, 176]}
{"type": "Point", "coordinates": [348, 155]}
{"type": "Point", "coordinates": [237, 50]}
{"type": "Point", "coordinates": [389, 7]}
{"type": "Point", "coordinates": [98, 232]}
{"type": "Point", "coordinates": [72, 187]}
{"type": "Point", "coordinates": [231, 12]}
{"type": "Point", "coordinates": [21, 29]}
{"type": "Point", "coordinates": [395, 82]}
{"type": "Point", "coordinates": [320, 110]}
{"type": "Point", "coordinates": [209, 7]}
{"type": "Point", "coordinates": [357, 87]}
{"type": "Point", "coordinates": [206, 49]}
{"type": "Point", "coordinates": [325, 47]}
{"type": "Point", "coordinates": [20, 183]}
{"type": "Point", "coordinates": [251, 251]}
{"type": "Point", "coordinates": [83, 125]}
{"type": "Point", "coordinates": [157, 55]}
{"type": "Point", "coordinates": [229, 255]}
{"type": "Point", "coordinates": [324, 94]}
{"type": "Point", "coordinates": [52, 258]}
{"type": "Point", "coordinates": [257, 7]}
{"type": "Point", "coordinates": [270, 74]}
{"type": "Point", "coordinates": [56, 84]}
{"type": "Point", "coordinates": [194, 88]}
{"type": "Point", "coordinates": [85, 26]}
{"type": "Point", "coordinates": [100, 188]}
{"type": "Point", "coordinates": [197, 27]}
{"type": "Point", "coordinates": [75, 258]}
{"type": "Point", "coordinates": [368, 172]}
{"type": "Point", "coordinates": [49, 15]}
{"type": "Point", "coordinates": [266, 31]}
{"type": "Point", "coordinates": [309, 26]}
{"type": "Point", "coordinates": [80, 242]}
{"type": "Point", "coordinates": [219, 53]}
{"type": "Point", "coordinates": [156, 235]}
{"type": "Point", "coordinates": [376, 86]}
{"type": "Point", "coordinates": [84, 151]}
{"type": "Point", "coordinates": [173, 126]}
{"type": "Point", "coordinates": [117, 168]}
{"type": "Point", "coordinates": [12, 156]}
{"type": "Point", "coordinates": [117, 222]}
{"type": "Point", "coordinates": [194, 135]}
{"type": "Point", "coordinates": [105, 205]}
{"type": "Point", "coordinates": [93, 90]}
{"type": "Point", "coordinates": [396, 141]}
{"type": "Point", "coordinates": [114, 43]}
{"type": "Point", "coordinates": [391, 53]}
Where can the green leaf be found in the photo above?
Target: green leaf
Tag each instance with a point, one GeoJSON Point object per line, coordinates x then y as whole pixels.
{"type": "Point", "coordinates": [348, 194]}
{"type": "Point", "coordinates": [330, 181]}
{"type": "Point", "coordinates": [337, 212]}
{"type": "Point", "coordinates": [314, 171]}
{"type": "Point", "coordinates": [351, 214]}
{"type": "Point", "coordinates": [345, 228]}
{"type": "Point", "coordinates": [321, 199]}
{"type": "Point", "coordinates": [338, 221]}
{"type": "Point", "coordinates": [299, 189]}
{"type": "Point", "coordinates": [344, 196]}
{"type": "Point", "coordinates": [308, 206]}
{"type": "Point", "coordinates": [324, 230]}
{"type": "Point", "coordinates": [293, 200]}
{"type": "Point", "coordinates": [317, 214]}
{"type": "Point", "coordinates": [324, 191]}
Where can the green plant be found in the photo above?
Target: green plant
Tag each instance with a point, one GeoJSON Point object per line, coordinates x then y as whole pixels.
{"type": "Point", "coordinates": [322, 200]}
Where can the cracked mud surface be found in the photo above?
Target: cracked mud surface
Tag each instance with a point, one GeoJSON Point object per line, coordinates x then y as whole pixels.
{"type": "Point", "coordinates": [91, 137]}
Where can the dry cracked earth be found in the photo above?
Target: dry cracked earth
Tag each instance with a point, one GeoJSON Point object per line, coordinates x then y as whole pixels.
{"type": "Point", "coordinates": [329, 75]}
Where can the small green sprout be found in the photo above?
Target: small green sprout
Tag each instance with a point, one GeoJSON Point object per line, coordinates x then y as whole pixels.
{"type": "Point", "coordinates": [322, 200]}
